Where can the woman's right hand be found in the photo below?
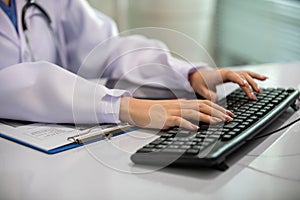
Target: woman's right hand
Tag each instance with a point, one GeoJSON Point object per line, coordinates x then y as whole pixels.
{"type": "Point", "coordinates": [163, 114]}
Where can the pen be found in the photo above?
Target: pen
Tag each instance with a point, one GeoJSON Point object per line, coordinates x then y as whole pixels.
{"type": "Point", "coordinates": [100, 134]}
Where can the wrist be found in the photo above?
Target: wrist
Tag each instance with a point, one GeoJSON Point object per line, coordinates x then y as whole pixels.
{"type": "Point", "coordinates": [124, 114]}
{"type": "Point", "coordinates": [193, 77]}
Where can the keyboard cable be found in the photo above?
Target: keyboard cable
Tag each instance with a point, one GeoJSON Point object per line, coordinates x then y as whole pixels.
{"type": "Point", "coordinates": [268, 134]}
{"type": "Point", "coordinates": [275, 131]}
{"type": "Point", "coordinates": [282, 128]}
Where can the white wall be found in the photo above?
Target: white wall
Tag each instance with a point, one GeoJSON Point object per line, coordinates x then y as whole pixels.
{"type": "Point", "coordinates": [105, 6]}
{"type": "Point", "coordinates": [192, 17]}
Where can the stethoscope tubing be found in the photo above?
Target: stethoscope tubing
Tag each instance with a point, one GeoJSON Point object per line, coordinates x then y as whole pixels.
{"type": "Point", "coordinates": [32, 3]}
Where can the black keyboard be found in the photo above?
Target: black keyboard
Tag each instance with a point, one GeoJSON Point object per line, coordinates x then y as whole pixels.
{"type": "Point", "coordinates": [210, 145]}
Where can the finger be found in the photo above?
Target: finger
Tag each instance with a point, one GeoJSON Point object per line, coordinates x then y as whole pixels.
{"type": "Point", "coordinates": [203, 117]}
{"type": "Point", "coordinates": [208, 94]}
{"type": "Point", "coordinates": [209, 119]}
{"type": "Point", "coordinates": [221, 114]}
{"type": "Point", "coordinates": [238, 79]}
{"type": "Point", "coordinates": [252, 83]}
{"type": "Point", "coordinates": [218, 107]}
{"type": "Point", "coordinates": [243, 83]}
{"type": "Point", "coordinates": [197, 104]}
{"type": "Point", "coordinates": [179, 121]}
{"type": "Point", "coordinates": [231, 76]}
{"type": "Point", "coordinates": [256, 75]}
{"type": "Point", "coordinates": [248, 91]}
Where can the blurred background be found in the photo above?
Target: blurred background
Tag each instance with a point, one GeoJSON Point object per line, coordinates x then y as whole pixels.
{"type": "Point", "coordinates": [233, 32]}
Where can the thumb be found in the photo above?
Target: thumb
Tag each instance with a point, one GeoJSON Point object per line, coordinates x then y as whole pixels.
{"type": "Point", "coordinates": [209, 94]}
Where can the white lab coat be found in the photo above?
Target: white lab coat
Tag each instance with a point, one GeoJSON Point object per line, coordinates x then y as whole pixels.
{"type": "Point", "coordinates": [59, 90]}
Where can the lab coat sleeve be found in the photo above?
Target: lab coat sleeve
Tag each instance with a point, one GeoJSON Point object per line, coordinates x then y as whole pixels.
{"type": "Point", "coordinates": [44, 92]}
{"type": "Point", "coordinates": [95, 51]}
{"type": "Point", "coordinates": [147, 62]}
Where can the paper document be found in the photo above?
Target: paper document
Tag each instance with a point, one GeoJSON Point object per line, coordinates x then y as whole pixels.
{"type": "Point", "coordinates": [51, 136]}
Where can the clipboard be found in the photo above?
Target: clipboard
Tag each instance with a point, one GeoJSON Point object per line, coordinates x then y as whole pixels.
{"type": "Point", "coordinates": [56, 138]}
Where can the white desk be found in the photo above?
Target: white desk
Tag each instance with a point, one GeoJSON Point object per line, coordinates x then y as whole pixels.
{"type": "Point", "coordinates": [265, 169]}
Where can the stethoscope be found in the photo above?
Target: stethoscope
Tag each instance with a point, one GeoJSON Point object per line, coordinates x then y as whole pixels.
{"type": "Point", "coordinates": [32, 3]}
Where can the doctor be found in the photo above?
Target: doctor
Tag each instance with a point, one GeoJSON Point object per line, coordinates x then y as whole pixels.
{"type": "Point", "coordinates": [43, 45]}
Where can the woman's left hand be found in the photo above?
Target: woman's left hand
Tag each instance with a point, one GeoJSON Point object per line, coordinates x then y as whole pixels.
{"type": "Point", "coordinates": [204, 82]}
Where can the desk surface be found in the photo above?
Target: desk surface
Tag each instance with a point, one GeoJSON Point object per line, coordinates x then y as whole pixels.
{"type": "Point", "coordinates": [265, 169]}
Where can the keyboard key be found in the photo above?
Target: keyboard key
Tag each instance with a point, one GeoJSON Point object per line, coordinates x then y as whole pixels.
{"type": "Point", "coordinates": [192, 151]}
{"type": "Point", "coordinates": [198, 147]}
{"type": "Point", "coordinates": [226, 137]}
{"type": "Point", "coordinates": [146, 150]}
{"type": "Point", "coordinates": [231, 125]}
{"type": "Point", "coordinates": [185, 147]}
{"type": "Point", "coordinates": [175, 151]}
{"type": "Point", "coordinates": [178, 143]}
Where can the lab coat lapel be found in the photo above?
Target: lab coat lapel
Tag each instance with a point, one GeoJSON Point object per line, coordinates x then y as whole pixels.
{"type": "Point", "coordinates": [7, 29]}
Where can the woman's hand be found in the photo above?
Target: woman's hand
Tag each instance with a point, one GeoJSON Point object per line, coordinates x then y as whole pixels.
{"type": "Point", "coordinates": [204, 82]}
{"type": "Point", "coordinates": [163, 114]}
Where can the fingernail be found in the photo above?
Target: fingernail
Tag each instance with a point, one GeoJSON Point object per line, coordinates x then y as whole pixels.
{"type": "Point", "coordinates": [228, 112]}
{"type": "Point", "coordinates": [217, 120]}
{"type": "Point", "coordinates": [228, 118]}
{"type": "Point", "coordinates": [259, 90]}
{"type": "Point", "coordinates": [194, 127]}
{"type": "Point", "coordinates": [253, 96]}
